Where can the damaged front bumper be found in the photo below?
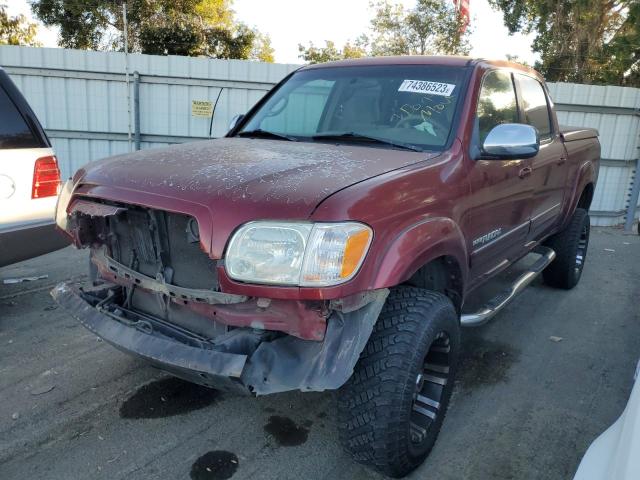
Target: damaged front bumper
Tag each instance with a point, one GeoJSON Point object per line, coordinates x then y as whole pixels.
{"type": "Point", "coordinates": [243, 360]}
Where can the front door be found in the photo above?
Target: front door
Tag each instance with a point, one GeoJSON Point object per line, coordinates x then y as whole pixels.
{"type": "Point", "coordinates": [496, 221]}
{"type": "Point", "coordinates": [549, 168]}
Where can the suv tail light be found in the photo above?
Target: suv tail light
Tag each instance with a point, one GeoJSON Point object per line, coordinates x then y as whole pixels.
{"type": "Point", "coordinates": [46, 178]}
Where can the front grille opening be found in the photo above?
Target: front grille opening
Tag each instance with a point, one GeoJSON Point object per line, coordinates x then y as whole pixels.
{"type": "Point", "coordinates": [161, 244]}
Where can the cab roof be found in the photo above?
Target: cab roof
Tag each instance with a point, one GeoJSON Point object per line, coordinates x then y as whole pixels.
{"type": "Point", "coordinates": [444, 60]}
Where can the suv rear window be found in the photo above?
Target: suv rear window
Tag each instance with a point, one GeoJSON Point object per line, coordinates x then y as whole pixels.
{"type": "Point", "coordinates": [14, 131]}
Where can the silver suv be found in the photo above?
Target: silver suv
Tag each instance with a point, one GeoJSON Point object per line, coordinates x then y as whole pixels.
{"type": "Point", "coordinates": [29, 181]}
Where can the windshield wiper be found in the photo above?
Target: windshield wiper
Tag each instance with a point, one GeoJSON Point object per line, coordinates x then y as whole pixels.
{"type": "Point", "coordinates": [259, 133]}
{"type": "Point", "coordinates": [358, 137]}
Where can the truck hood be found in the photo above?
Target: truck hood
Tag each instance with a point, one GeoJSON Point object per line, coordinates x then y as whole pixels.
{"type": "Point", "coordinates": [235, 180]}
{"type": "Point", "coordinates": [243, 170]}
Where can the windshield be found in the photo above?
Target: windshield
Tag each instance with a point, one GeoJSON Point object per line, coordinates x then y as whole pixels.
{"type": "Point", "coordinates": [412, 105]}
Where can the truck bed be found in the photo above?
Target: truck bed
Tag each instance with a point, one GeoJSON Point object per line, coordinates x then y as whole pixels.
{"type": "Point", "coordinates": [573, 134]}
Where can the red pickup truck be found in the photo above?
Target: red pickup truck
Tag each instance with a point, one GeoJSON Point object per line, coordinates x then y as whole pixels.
{"type": "Point", "coordinates": [331, 239]}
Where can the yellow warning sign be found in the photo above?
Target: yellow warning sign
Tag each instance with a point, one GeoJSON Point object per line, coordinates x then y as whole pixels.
{"type": "Point", "coordinates": [201, 108]}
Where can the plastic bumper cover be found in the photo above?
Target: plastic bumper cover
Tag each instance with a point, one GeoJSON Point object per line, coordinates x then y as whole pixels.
{"type": "Point", "coordinates": [243, 360]}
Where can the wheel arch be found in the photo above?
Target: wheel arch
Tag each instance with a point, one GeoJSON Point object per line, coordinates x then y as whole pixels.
{"type": "Point", "coordinates": [430, 254]}
{"type": "Point", "coordinates": [586, 197]}
{"type": "Point", "coordinates": [582, 192]}
{"type": "Point", "coordinates": [444, 275]}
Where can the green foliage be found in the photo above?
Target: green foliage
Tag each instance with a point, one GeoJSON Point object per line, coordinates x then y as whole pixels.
{"type": "Point", "coordinates": [517, 59]}
{"type": "Point", "coordinates": [17, 30]}
{"type": "Point", "coordinates": [262, 49]}
{"type": "Point", "coordinates": [584, 41]}
{"type": "Point", "coordinates": [160, 27]}
{"type": "Point", "coordinates": [330, 52]}
{"type": "Point", "coordinates": [431, 27]}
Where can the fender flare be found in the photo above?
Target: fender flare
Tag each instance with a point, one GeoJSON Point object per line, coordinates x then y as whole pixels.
{"type": "Point", "coordinates": [417, 245]}
{"type": "Point", "coordinates": [585, 175]}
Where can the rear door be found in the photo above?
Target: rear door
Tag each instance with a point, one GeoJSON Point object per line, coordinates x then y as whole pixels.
{"type": "Point", "coordinates": [23, 147]}
{"type": "Point", "coordinates": [549, 168]}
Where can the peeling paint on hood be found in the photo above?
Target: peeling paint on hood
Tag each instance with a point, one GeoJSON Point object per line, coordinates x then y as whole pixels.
{"type": "Point", "coordinates": [245, 170]}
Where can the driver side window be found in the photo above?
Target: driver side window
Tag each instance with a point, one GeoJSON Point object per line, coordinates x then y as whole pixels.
{"type": "Point", "coordinates": [496, 103]}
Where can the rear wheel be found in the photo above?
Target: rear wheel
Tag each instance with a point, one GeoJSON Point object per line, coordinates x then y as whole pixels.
{"type": "Point", "coordinates": [570, 246]}
{"type": "Point", "coordinates": [392, 408]}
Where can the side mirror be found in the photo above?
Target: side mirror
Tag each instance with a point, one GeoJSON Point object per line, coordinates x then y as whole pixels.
{"type": "Point", "coordinates": [510, 141]}
{"type": "Point", "coordinates": [234, 121]}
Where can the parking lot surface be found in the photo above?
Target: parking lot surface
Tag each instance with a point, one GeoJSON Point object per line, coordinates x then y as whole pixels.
{"type": "Point", "coordinates": [536, 386]}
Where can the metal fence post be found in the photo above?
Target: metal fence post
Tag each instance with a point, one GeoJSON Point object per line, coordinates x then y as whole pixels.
{"type": "Point", "coordinates": [125, 31]}
{"type": "Point", "coordinates": [633, 199]}
{"type": "Point", "coordinates": [136, 108]}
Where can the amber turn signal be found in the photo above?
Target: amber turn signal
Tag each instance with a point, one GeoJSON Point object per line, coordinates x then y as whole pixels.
{"type": "Point", "coordinates": [354, 251]}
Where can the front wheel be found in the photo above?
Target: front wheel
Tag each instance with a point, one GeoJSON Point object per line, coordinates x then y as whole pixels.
{"type": "Point", "coordinates": [391, 409]}
{"type": "Point", "coordinates": [570, 246]}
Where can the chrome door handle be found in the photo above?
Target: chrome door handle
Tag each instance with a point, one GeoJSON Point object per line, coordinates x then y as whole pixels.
{"type": "Point", "coordinates": [525, 172]}
{"type": "Point", "coordinates": [562, 160]}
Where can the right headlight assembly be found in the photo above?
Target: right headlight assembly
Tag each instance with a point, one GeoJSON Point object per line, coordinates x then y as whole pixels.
{"type": "Point", "coordinates": [297, 253]}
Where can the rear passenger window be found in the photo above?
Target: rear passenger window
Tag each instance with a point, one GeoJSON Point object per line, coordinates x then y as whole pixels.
{"type": "Point", "coordinates": [497, 102]}
{"type": "Point", "coordinates": [14, 132]}
{"type": "Point", "coordinates": [534, 104]}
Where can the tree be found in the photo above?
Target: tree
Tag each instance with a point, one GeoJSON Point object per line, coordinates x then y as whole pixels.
{"type": "Point", "coordinates": [330, 52]}
{"type": "Point", "coordinates": [431, 27]}
{"type": "Point", "coordinates": [584, 41]}
{"type": "Point", "coordinates": [160, 27]}
{"type": "Point", "coordinates": [262, 49]}
{"type": "Point", "coordinates": [517, 59]}
{"type": "Point", "coordinates": [189, 36]}
{"type": "Point", "coordinates": [17, 30]}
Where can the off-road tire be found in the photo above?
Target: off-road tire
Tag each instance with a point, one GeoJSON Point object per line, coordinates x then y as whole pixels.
{"type": "Point", "coordinates": [377, 414]}
{"type": "Point", "coordinates": [570, 246]}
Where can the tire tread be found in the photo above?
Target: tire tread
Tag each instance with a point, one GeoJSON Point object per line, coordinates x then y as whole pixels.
{"type": "Point", "coordinates": [371, 426]}
{"type": "Point", "coordinates": [560, 273]}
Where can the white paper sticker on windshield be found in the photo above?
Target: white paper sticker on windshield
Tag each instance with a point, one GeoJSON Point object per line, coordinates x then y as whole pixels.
{"type": "Point", "coordinates": [431, 88]}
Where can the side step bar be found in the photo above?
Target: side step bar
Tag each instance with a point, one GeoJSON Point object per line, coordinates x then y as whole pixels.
{"type": "Point", "coordinates": [493, 306]}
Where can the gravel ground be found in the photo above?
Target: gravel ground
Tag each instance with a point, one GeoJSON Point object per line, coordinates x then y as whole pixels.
{"type": "Point", "coordinates": [525, 406]}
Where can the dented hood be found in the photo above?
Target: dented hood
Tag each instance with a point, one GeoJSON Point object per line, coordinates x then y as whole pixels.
{"type": "Point", "coordinates": [242, 179]}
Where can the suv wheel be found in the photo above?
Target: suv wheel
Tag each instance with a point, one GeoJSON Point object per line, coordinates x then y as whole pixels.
{"type": "Point", "coordinates": [570, 246]}
{"type": "Point", "coordinates": [391, 409]}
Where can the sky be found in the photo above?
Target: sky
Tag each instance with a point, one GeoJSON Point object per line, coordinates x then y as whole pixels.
{"type": "Point", "coordinates": [291, 22]}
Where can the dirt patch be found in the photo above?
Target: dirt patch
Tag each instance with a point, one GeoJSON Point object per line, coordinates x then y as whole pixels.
{"type": "Point", "coordinates": [215, 465]}
{"type": "Point", "coordinates": [167, 397]}
{"type": "Point", "coordinates": [484, 362]}
{"type": "Point", "coordinates": [286, 432]}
